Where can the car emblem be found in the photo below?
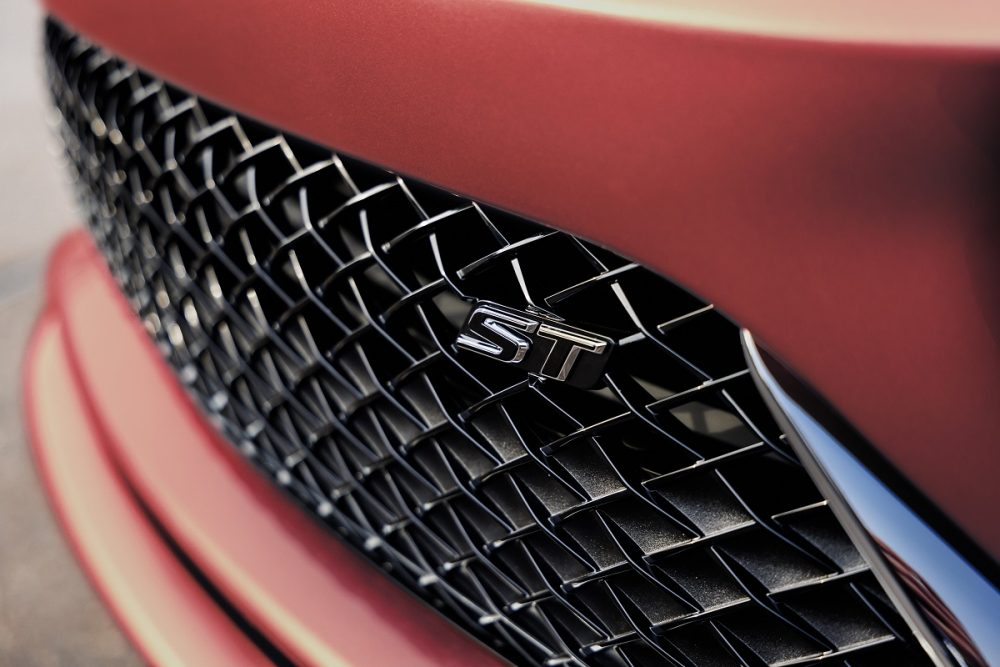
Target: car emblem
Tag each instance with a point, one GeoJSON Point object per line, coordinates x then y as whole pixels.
{"type": "Point", "coordinates": [540, 345]}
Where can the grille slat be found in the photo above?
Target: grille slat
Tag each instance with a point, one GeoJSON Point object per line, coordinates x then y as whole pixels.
{"type": "Point", "coordinates": [309, 302]}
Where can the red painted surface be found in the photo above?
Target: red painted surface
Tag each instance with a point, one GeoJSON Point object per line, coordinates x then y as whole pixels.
{"type": "Point", "coordinates": [166, 614]}
{"type": "Point", "coordinates": [827, 180]}
{"type": "Point", "coordinates": [104, 408]}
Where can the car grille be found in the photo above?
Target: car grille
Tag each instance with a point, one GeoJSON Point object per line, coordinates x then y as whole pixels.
{"type": "Point", "coordinates": [310, 303]}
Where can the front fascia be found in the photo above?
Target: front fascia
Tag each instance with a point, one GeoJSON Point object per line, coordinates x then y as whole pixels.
{"type": "Point", "coordinates": [834, 197]}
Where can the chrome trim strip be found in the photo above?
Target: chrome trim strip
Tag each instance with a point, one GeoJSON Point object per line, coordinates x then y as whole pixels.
{"type": "Point", "coordinates": [885, 528]}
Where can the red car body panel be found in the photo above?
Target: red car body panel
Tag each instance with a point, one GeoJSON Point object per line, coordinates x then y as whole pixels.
{"type": "Point", "coordinates": [103, 408]}
{"type": "Point", "coordinates": [829, 182]}
{"type": "Point", "coordinates": [168, 616]}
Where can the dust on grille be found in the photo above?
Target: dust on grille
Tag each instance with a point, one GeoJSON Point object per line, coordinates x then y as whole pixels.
{"type": "Point", "coordinates": [310, 303]}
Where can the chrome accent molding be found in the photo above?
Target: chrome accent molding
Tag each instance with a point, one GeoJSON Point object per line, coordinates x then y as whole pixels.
{"type": "Point", "coordinates": [951, 607]}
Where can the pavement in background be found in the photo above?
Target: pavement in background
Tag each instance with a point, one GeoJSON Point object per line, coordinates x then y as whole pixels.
{"type": "Point", "coordinates": [49, 615]}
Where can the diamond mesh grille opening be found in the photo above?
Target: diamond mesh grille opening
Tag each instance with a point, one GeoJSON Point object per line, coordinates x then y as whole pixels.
{"type": "Point", "coordinates": [309, 302]}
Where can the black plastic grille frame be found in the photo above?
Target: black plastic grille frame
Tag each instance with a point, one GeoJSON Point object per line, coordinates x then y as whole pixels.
{"type": "Point", "coordinates": [310, 301]}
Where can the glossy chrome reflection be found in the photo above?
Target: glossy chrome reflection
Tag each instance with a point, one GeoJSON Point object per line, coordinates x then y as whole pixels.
{"type": "Point", "coordinates": [949, 604]}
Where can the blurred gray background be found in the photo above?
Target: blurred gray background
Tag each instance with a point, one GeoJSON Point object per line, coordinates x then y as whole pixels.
{"type": "Point", "coordinates": [49, 615]}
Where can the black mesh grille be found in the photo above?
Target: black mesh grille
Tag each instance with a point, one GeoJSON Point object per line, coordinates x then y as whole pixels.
{"type": "Point", "coordinates": [310, 303]}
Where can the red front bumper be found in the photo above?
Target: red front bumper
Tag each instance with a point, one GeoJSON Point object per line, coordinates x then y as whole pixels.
{"type": "Point", "coordinates": [828, 184]}
{"type": "Point", "coordinates": [142, 484]}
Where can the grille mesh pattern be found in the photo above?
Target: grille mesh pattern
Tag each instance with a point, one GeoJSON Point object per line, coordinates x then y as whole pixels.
{"type": "Point", "coordinates": [310, 301]}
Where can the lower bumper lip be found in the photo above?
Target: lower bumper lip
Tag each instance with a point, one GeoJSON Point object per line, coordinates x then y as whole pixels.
{"type": "Point", "coordinates": [108, 421]}
{"type": "Point", "coordinates": [165, 613]}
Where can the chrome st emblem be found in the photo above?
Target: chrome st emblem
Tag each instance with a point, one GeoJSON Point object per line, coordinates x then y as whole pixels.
{"type": "Point", "coordinates": [539, 345]}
